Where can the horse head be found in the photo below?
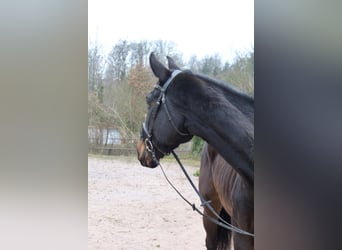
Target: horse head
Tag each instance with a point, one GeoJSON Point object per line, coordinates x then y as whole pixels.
{"type": "Point", "coordinates": [163, 129]}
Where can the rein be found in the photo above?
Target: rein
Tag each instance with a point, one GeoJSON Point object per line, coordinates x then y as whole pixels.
{"type": "Point", "coordinates": [219, 221]}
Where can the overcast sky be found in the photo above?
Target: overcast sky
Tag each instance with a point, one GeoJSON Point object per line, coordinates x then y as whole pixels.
{"type": "Point", "coordinates": [197, 27]}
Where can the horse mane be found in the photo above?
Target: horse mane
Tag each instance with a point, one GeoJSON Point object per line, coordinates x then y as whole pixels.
{"type": "Point", "coordinates": [226, 86]}
{"type": "Point", "coordinates": [242, 100]}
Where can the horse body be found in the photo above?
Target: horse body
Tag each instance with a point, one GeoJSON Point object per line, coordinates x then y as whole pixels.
{"type": "Point", "coordinates": [228, 193]}
{"type": "Point", "coordinates": [184, 104]}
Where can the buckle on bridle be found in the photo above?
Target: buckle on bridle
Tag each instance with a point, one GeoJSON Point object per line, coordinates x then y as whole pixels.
{"type": "Point", "coordinates": [148, 145]}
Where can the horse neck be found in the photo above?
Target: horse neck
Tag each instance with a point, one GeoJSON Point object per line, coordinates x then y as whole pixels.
{"type": "Point", "coordinates": [240, 100]}
{"type": "Point", "coordinates": [224, 118]}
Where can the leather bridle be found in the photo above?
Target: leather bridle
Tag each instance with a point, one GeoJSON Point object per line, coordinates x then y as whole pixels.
{"type": "Point", "coordinates": [150, 119]}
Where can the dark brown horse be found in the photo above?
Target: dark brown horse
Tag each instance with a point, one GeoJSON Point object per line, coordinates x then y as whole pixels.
{"type": "Point", "coordinates": [184, 104]}
{"type": "Point", "coordinates": [231, 197]}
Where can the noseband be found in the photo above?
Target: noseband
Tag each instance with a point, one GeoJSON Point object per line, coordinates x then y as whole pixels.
{"type": "Point", "coordinates": [161, 100]}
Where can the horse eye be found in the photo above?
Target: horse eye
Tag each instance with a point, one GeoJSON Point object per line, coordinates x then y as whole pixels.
{"type": "Point", "coordinates": [152, 96]}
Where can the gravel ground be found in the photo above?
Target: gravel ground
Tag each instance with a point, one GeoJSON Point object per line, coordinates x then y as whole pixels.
{"type": "Point", "coordinates": [132, 207]}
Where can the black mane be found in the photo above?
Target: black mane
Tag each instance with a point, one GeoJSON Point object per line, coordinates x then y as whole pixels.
{"type": "Point", "coordinates": [228, 87]}
{"type": "Point", "coordinates": [242, 100]}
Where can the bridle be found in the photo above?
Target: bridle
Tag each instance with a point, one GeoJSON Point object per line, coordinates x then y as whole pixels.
{"type": "Point", "coordinates": [150, 119]}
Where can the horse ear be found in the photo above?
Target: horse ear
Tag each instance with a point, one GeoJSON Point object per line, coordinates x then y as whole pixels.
{"type": "Point", "coordinates": [159, 70]}
{"type": "Point", "coordinates": [172, 64]}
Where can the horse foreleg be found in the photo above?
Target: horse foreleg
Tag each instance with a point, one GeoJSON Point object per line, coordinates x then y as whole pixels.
{"type": "Point", "coordinates": [243, 218]}
{"type": "Point", "coordinates": [243, 242]}
{"type": "Point", "coordinates": [211, 228]}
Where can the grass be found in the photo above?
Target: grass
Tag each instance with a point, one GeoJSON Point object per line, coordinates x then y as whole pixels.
{"type": "Point", "coordinates": [197, 172]}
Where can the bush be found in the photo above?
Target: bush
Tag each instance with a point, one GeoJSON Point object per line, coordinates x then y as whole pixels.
{"type": "Point", "coordinates": [197, 145]}
{"type": "Point", "coordinates": [197, 173]}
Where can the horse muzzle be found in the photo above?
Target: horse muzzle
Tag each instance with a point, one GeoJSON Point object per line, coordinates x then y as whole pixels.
{"type": "Point", "coordinates": [145, 156]}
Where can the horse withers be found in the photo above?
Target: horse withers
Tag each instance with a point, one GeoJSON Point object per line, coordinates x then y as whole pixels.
{"type": "Point", "coordinates": [231, 197]}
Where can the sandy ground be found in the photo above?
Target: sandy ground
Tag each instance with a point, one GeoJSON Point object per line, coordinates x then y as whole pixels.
{"type": "Point", "coordinates": [132, 207]}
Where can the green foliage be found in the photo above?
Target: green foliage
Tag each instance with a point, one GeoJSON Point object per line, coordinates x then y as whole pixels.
{"type": "Point", "coordinates": [99, 91]}
{"type": "Point", "coordinates": [196, 145]}
{"type": "Point", "coordinates": [197, 173]}
{"type": "Point", "coordinates": [241, 73]}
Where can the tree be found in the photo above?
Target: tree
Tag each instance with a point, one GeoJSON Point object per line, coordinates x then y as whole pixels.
{"type": "Point", "coordinates": [140, 79]}
{"type": "Point", "coordinates": [95, 67]}
{"type": "Point", "coordinates": [117, 61]}
{"type": "Point", "coordinates": [241, 73]}
{"type": "Point", "coordinates": [211, 65]}
{"type": "Point", "coordinates": [194, 64]}
{"type": "Point", "coordinates": [164, 48]}
{"type": "Point", "coordinates": [139, 53]}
